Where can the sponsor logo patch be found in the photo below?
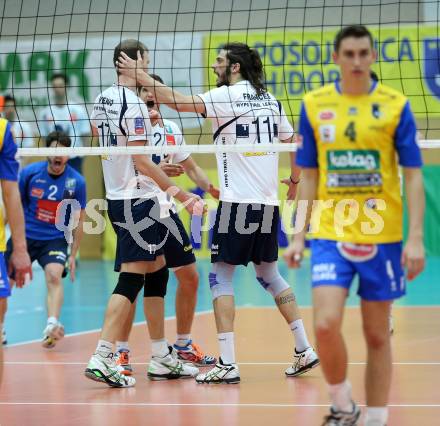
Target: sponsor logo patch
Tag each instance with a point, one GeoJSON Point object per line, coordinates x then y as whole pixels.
{"type": "Point", "coordinates": [327, 115]}
{"type": "Point", "coordinates": [242, 130]}
{"type": "Point", "coordinates": [37, 192]}
{"type": "Point", "coordinates": [353, 160]}
{"type": "Point", "coordinates": [139, 126]}
{"type": "Point", "coordinates": [327, 133]}
{"type": "Point", "coordinates": [357, 252]}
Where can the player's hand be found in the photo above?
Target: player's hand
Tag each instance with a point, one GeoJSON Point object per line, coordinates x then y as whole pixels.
{"type": "Point", "coordinates": [129, 67]}
{"type": "Point", "coordinates": [292, 187]}
{"type": "Point", "coordinates": [214, 191]}
{"type": "Point", "coordinates": [294, 252]}
{"type": "Point", "coordinates": [72, 268]}
{"type": "Point", "coordinates": [194, 204]}
{"type": "Point", "coordinates": [413, 258]}
{"type": "Point", "coordinates": [21, 264]}
{"type": "Point", "coordinates": [155, 117]}
{"type": "Point", "coordinates": [171, 170]}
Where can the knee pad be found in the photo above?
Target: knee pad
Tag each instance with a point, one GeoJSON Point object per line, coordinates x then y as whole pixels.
{"type": "Point", "coordinates": [270, 279]}
{"type": "Point", "coordinates": [129, 285]}
{"type": "Point", "coordinates": [156, 283]}
{"type": "Point", "coordinates": [220, 287]}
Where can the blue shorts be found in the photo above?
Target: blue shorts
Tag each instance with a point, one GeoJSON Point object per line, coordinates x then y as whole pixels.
{"type": "Point", "coordinates": [381, 276]}
{"type": "Point", "coordinates": [139, 230]}
{"type": "Point", "coordinates": [44, 252]}
{"type": "Point", "coordinates": [5, 290]}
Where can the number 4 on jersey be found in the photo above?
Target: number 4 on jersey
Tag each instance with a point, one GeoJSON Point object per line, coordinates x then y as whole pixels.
{"type": "Point", "coordinates": [350, 131]}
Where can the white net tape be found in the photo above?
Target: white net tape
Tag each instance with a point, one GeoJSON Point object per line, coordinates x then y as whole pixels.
{"type": "Point", "coordinates": [173, 149]}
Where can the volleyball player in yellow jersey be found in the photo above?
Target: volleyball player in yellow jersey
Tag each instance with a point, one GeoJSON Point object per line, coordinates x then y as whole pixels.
{"type": "Point", "coordinates": [19, 261]}
{"type": "Point", "coordinates": [353, 135]}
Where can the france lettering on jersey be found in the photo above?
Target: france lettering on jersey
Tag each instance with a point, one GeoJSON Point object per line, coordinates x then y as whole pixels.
{"type": "Point", "coordinates": [168, 134]}
{"type": "Point", "coordinates": [240, 116]}
{"type": "Point", "coordinates": [8, 167]}
{"type": "Point", "coordinates": [120, 117]}
{"type": "Point", "coordinates": [71, 119]}
{"type": "Point", "coordinates": [354, 140]}
{"type": "Point", "coordinates": [42, 194]}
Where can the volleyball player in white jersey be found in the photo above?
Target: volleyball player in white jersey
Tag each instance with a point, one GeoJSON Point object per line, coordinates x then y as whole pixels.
{"type": "Point", "coordinates": [132, 185]}
{"type": "Point", "coordinates": [245, 231]}
{"type": "Point", "coordinates": [179, 255]}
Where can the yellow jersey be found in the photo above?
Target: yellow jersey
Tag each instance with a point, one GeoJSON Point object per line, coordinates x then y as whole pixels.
{"type": "Point", "coordinates": [8, 167]}
{"type": "Point", "coordinates": [357, 144]}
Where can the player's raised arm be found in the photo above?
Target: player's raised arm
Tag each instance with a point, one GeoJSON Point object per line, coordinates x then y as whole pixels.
{"type": "Point", "coordinates": [164, 94]}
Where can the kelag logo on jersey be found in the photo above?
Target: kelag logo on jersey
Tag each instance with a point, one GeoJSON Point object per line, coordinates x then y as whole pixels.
{"type": "Point", "coordinates": [432, 64]}
{"type": "Point", "coordinates": [242, 130]}
{"type": "Point", "coordinates": [353, 160]}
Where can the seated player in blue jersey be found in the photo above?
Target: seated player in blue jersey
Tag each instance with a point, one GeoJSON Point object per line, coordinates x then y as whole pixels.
{"type": "Point", "coordinates": [53, 195]}
{"type": "Point", "coordinates": [179, 256]}
{"type": "Point", "coordinates": [354, 135]}
{"type": "Point", "coordinates": [9, 194]}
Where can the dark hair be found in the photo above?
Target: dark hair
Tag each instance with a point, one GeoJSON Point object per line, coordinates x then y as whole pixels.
{"type": "Point", "coordinates": [60, 137]}
{"type": "Point", "coordinates": [8, 98]}
{"type": "Point", "coordinates": [356, 31]}
{"type": "Point", "coordinates": [251, 67]}
{"type": "Point", "coordinates": [157, 78]}
{"type": "Point", "coordinates": [130, 47]}
{"type": "Point", "coordinates": [60, 75]}
{"type": "Point", "coordinates": [374, 76]}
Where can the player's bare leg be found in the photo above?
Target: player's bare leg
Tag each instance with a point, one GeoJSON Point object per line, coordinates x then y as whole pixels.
{"type": "Point", "coordinates": [186, 297]}
{"type": "Point", "coordinates": [3, 309]}
{"type": "Point", "coordinates": [122, 354]}
{"type": "Point", "coordinates": [304, 358]}
{"type": "Point", "coordinates": [54, 330]}
{"type": "Point", "coordinates": [375, 317]}
{"type": "Point", "coordinates": [55, 291]}
{"type": "Point", "coordinates": [186, 300]}
{"type": "Point", "coordinates": [328, 309]}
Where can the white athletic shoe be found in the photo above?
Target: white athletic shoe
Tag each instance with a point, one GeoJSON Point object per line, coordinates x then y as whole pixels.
{"type": "Point", "coordinates": [170, 367]}
{"type": "Point", "coordinates": [4, 338]}
{"type": "Point", "coordinates": [303, 362]}
{"type": "Point", "coordinates": [221, 373]}
{"type": "Point", "coordinates": [51, 334]}
{"type": "Point", "coordinates": [104, 369]}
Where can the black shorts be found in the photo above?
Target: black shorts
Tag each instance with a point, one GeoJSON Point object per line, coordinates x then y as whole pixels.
{"type": "Point", "coordinates": [138, 229]}
{"type": "Point", "coordinates": [245, 233]}
{"type": "Point", "coordinates": [43, 251]}
{"type": "Point", "coordinates": [178, 251]}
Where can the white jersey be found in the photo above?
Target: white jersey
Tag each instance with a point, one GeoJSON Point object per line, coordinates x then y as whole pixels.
{"type": "Point", "coordinates": [71, 119]}
{"type": "Point", "coordinates": [22, 133]}
{"type": "Point", "coordinates": [169, 134]}
{"type": "Point", "coordinates": [240, 116]}
{"type": "Point", "coordinates": [119, 117]}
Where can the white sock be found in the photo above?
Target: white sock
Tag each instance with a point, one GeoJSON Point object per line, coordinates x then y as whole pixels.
{"type": "Point", "coordinates": [52, 320]}
{"type": "Point", "coordinates": [340, 395]}
{"type": "Point", "coordinates": [376, 415]}
{"type": "Point", "coordinates": [104, 348]}
{"type": "Point", "coordinates": [301, 341]}
{"type": "Point", "coordinates": [183, 339]}
{"type": "Point", "coordinates": [159, 348]}
{"type": "Point", "coordinates": [122, 346]}
{"type": "Point", "coordinates": [227, 349]}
